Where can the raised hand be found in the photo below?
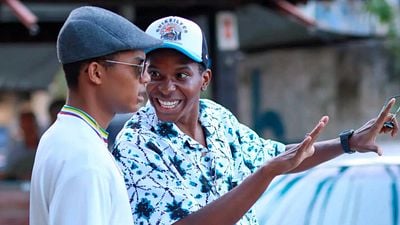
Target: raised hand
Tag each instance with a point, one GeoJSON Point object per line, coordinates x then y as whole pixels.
{"type": "Point", "coordinates": [364, 138]}
{"type": "Point", "coordinates": [296, 153]}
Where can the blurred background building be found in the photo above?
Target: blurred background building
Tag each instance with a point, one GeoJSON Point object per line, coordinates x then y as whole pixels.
{"type": "Point", "coordinates": [279, 65]}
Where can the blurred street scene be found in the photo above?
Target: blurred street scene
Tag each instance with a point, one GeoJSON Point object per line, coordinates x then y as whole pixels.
{"type": "Point", "coordinates": [14, 203]}
{"type": "Point", "coordinates": [277, 65]}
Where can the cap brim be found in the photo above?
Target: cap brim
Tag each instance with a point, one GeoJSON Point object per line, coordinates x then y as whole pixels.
{"type": "Point", "coordinates": [178, 47]}
{"type": "Point", "coordinates": [147, 42]}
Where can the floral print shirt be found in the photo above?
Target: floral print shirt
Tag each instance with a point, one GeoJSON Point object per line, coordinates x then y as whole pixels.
{"type": "Point", "coordinates": [170, 175]}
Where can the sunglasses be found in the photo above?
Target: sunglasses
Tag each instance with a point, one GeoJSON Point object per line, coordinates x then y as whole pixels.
{"type": "Point", "coordinates": [140, 68]}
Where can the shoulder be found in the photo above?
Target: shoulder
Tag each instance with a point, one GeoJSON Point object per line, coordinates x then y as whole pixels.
{"type": "Point", "coordinates": [209, 104]}
{"type": "Point", "coordinates": [210, 108]}
{"type": "Point", "coordinates": [66, 141]}
{"type": "Point", "coordinates": [73, 131]}
{"type": "Point", "coordinates": [139, 128]}
{"type": "Point", "coordinates": [142, 119]}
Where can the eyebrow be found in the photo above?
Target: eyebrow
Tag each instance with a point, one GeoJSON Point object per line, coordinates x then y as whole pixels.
{"type": "Point", "coordinates": [137, 58]}
{"type": "Point", "coordinates": [180, 67]}
{"type": "Point", "coordinates": [141, 59]}
{"type": "Point", "coordinates": [183, 67]}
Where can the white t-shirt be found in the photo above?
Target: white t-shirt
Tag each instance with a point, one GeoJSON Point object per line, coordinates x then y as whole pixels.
{"type": "Point", "coordinates": [75, 180]}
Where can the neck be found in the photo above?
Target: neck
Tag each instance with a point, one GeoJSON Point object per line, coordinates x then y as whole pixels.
{"type": "Point", "coordinates": [90, 106]}
{"type": "Point", "coordinates": [195, 131]}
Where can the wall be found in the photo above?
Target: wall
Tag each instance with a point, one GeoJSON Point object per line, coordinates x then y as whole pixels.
{"type": "Point", "coordinates": [284, 92]}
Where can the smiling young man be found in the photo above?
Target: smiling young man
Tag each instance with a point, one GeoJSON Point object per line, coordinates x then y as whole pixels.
{"type": "Point", "coordinates": [75, 179]}
{"type": "Point", "coordinates": [188, 160]}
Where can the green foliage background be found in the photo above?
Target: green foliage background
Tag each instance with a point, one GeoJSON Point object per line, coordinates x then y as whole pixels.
{"type": "Point", "coordinates": [387, 15]}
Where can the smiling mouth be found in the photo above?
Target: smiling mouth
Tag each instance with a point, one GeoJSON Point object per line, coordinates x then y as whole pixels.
{"type": "Point", "coordinates": [168, 104]}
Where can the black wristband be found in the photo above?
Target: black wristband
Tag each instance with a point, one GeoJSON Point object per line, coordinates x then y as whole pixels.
{"type": "Point", "coordinates": [344, 141]}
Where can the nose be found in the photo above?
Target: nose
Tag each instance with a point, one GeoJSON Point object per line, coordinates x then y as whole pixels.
{"type": "Point", "coordinates": [166, 86]}
{"type": "Point", "coordinates": [145, 78]}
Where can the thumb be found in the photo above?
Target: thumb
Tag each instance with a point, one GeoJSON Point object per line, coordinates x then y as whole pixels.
{"type": "Point", "coordinates": [306, 150]}
{"type": "Point", "coordinates": [374, 148]}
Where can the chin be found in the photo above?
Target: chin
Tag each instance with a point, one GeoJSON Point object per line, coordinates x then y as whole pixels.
{"type": "Point", "coordinates": [129, 109]}
{"type": "Point", "coordinates": [166, 118]}
{"type": "Point", "coordinates": [137, 107]}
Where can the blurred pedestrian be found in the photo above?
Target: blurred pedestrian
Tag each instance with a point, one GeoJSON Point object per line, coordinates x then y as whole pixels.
{"type": "Point", "coordinates": [21, 153]}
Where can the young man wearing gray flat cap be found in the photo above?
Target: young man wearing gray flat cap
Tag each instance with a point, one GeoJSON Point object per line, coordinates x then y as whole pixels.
{"type": "Point", "coordinates": [74, 179]}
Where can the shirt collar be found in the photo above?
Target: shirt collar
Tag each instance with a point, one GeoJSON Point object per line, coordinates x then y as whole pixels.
{"type": "Point", "coordinates": [72, 111]}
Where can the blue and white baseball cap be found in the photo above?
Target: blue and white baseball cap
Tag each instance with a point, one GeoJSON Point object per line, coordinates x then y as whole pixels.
{"type": "Point", "coordinates": [182, 35]}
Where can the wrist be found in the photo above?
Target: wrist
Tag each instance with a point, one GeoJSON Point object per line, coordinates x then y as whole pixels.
{"type": "Point", "coordinates": [345, 141]}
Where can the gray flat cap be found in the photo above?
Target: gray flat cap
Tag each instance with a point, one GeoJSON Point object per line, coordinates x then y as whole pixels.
{"type": "Point", "coordinates": [91, 32]}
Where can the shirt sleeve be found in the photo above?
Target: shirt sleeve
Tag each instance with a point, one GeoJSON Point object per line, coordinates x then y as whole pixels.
{"type": "Point", "coordinates": [82, 199]}
{"type": "Point", "coordinates": [157, 191]}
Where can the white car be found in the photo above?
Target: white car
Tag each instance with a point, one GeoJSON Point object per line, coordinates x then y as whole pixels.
{"type": "Point", "coordinates": [357, 189]}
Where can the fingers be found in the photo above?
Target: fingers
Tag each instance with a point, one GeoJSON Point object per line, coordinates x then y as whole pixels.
{"type": "Point", "coordinates": [306, 141]}
{"type": "Point", "coordinates": [297, 153]}
{"type": "Point", "coordinates": [395, 128]}
{"type": "Point", "coordinates": [388, 118]}
{"type": "Point", "coordinates": [305, 149]}
{"type": "Point", "coordinates": [378, 150]}
{"type": "Point", "coordinates": [318, 128]}
{"type": "Point", "coordinates": [306, 144]}
{"type": "Point", "coordinates": [389, 105]}
{"type": "Point", "coordinates": [383, 116]}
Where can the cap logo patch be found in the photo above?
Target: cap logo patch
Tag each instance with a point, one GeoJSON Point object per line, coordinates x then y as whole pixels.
{"type": "Point", "coordinates": [171, 29]}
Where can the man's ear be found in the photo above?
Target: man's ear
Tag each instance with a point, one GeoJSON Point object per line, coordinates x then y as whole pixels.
{"type": "Point", "coordinates": [206, 76]}
{"type": "Point", "coordinates": [95, 72]}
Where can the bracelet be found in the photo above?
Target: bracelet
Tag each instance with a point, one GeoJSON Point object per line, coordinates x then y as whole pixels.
{"type": "Point", "coordinates": [344, 141]}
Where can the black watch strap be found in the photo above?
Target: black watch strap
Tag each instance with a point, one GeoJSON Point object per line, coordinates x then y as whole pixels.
{"type": "Point", "coordinates": [344, 141]}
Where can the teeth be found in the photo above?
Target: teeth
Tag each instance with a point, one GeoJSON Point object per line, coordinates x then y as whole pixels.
{"type": "Point", "coordinates": [168, 104]}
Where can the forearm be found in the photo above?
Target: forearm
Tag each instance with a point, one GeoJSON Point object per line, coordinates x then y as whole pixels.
{"type": "Point", "coordinates": [231, 207]}
{"type": "Point", "coordinates": [324, 151]}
